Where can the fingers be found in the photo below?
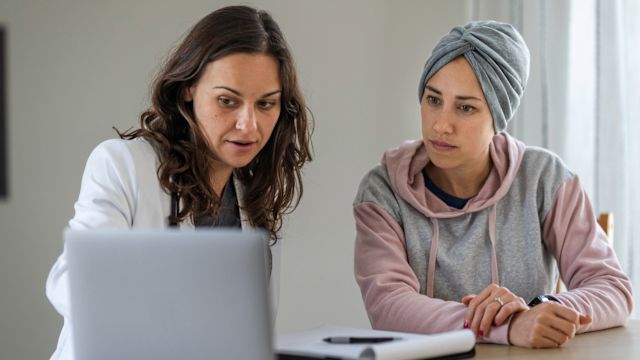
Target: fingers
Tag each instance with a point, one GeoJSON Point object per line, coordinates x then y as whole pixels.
{"type": "Point", "coordinates": [509, 309]}
{"type": "Point", "coordinates": [475, 301]}
{"type": "Point", "coordinates": [559, 330]}
{"type": "Point", "coordinates": [497, 314]}
{"type": "Point", "coordinates": [567, 328]}
{"type": "Point", "coordinates": [563, 312]}
{"type": "Point", "coordinates": [547, 331]}
{"type": "Point", "coordinates": [467, 299]}
{"type": "Point", "coordinates": [490, 311]}
{"type": "Point", "coordinates": [585, 320]}
{"type": "Point", "coordinates": [484, 308]}
{"type": "Point", "coordinates": [542, 343]}
{"type": "Point", "coordinates": [554, 322]}
{"type": "Point", "coordinates": [540, 327]}
{"type": "Point", "coordinates": [474, 313]}
{"type": "Point", "coordinates": [570, 315]}
{"type": "Point", "coordinates": [549, 337]}
{"type": "Point", "coordinates": [546, 325]}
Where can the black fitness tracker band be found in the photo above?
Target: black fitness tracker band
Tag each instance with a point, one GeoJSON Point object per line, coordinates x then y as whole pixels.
{"type": "Point", "coordinates": [541, 299]}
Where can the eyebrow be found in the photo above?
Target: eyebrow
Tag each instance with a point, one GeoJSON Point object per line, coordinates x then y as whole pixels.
{"type": "Point", "coordinates": [459, 97]}
{"type": "Point", "coordinates": [240, 94]}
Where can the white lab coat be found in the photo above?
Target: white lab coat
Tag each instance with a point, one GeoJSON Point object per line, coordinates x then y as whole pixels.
{"type": "Point", "coordinates": [120, 189]}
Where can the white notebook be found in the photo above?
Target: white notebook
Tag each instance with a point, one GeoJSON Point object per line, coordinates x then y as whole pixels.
{"type": "Point", "coordinates": [311, 344]}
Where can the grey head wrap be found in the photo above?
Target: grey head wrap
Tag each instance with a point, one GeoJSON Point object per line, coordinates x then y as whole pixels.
{"type": "Point", "coordinates": [499, 57]}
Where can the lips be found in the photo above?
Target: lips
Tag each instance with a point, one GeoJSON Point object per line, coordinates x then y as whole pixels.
{"type": "Point", "coordinates": [242, 142]}
{"type": "Point", "coordinates": [441, 145]}
{"type": "Point", "coordinates": [242, 145]}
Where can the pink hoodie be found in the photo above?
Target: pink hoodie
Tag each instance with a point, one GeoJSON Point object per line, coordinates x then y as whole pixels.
{"type": "Point", "coordinates": [415, 257]}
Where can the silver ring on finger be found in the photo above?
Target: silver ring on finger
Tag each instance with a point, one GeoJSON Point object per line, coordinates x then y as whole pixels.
{"type": "Point", "coordinates": [499, 300]}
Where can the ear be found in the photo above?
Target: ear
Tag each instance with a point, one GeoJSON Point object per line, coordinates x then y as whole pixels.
{"type": "Point", "coordinates": [188, 93]}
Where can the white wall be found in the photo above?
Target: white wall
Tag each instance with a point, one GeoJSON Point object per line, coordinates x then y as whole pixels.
{"type": "Point", "coordinates": [77, 67]}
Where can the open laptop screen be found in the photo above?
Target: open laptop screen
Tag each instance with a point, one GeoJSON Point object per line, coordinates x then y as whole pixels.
{"type": "Point", "coordinates": [169, 294]}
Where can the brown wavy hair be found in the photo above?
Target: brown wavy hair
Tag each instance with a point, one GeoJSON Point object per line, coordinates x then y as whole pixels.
{"type": "Point", "coordinates": [273, 179]}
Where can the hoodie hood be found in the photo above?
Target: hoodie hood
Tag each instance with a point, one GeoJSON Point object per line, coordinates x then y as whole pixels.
{"type": "Point", "coordinates": [405, 164]}
{"type": "Point", "coordinates": [404, 167]}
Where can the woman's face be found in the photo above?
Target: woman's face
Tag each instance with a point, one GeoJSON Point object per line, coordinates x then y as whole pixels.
{"type": "Point", "coordinates": [236, 103]}
{"type": "Point", "coordinates": [457, 126]}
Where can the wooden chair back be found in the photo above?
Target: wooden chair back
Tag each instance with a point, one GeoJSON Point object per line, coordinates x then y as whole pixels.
{"type": "Point", "coordinates": [605, 220]}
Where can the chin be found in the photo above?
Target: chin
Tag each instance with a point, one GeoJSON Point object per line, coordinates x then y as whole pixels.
{"type": "Point", "coordinates": [240, 163]}
{"type": "Point", "coordinates": [441, 163]}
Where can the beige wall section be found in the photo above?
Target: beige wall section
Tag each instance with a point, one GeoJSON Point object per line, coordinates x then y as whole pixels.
{"type": "Point", "coordinates": [78, 67]}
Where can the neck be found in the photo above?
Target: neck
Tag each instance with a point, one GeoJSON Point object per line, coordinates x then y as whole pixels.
{"type": "Point", "coordinates": [219, 178]}
{"type": "Point", "coordinates": [463, 183]}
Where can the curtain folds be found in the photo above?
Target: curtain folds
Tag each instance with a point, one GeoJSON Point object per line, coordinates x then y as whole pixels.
{"type": "Point", "coordinates": [583, 100]}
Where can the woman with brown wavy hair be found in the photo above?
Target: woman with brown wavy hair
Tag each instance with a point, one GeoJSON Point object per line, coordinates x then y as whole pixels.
{"type": "Point", "coordinates": [222, 144]}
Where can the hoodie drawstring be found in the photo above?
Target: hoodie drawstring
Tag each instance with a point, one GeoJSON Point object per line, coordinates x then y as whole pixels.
{"type": "Point", "coordinates": [431, 272]}
{"type": "Point", "coordinates": [433, 252]}
{"type": "Point", "coordinates": [492, 236]}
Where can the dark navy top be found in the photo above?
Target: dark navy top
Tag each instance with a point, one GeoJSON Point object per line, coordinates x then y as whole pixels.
{"type": "Point", "coordinates": [454, 202]}
{"type": "Point", "coordinates": [229, 212]}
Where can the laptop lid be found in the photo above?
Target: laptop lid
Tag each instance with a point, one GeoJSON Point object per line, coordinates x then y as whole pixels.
{"type": "Point", "coordinates": [168, 294]}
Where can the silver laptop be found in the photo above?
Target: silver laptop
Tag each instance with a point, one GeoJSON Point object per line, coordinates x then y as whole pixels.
{"type": "Point", "coordinates": [168, 294]}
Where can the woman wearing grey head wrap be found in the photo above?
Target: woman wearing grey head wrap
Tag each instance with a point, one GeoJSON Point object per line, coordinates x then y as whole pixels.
{"type": "Point", "coordinates": [456, 229]}
{"type": "Point", "coordinates": [498, 56]}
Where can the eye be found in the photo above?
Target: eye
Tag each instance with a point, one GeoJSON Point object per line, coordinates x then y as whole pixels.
{"type": "Point", "coordinates": [467, 108]}
{"type": "Point", "coordinates": [432, 100]}
{"type": "Point", "coordinates": [266, 104]}
{"type": "Point", "coordinates": [226, 101]}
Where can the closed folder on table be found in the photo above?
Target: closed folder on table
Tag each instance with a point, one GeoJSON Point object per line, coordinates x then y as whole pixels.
{"type": "Point", "coordinates": [313, 344]}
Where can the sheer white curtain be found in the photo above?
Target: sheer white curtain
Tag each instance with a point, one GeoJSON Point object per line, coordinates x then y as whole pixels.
{"type": "Point", "coordinates": [583, 100]}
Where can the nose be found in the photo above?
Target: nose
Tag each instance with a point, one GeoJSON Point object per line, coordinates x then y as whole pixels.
{"type": "Point", "coordinates": [442, 122]}
{"type": "Point", "coordinates": [247, 120]}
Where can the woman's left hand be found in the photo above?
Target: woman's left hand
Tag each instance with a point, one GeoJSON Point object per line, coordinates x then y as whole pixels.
{"type": "Point", "coordinates": [493, 306]}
